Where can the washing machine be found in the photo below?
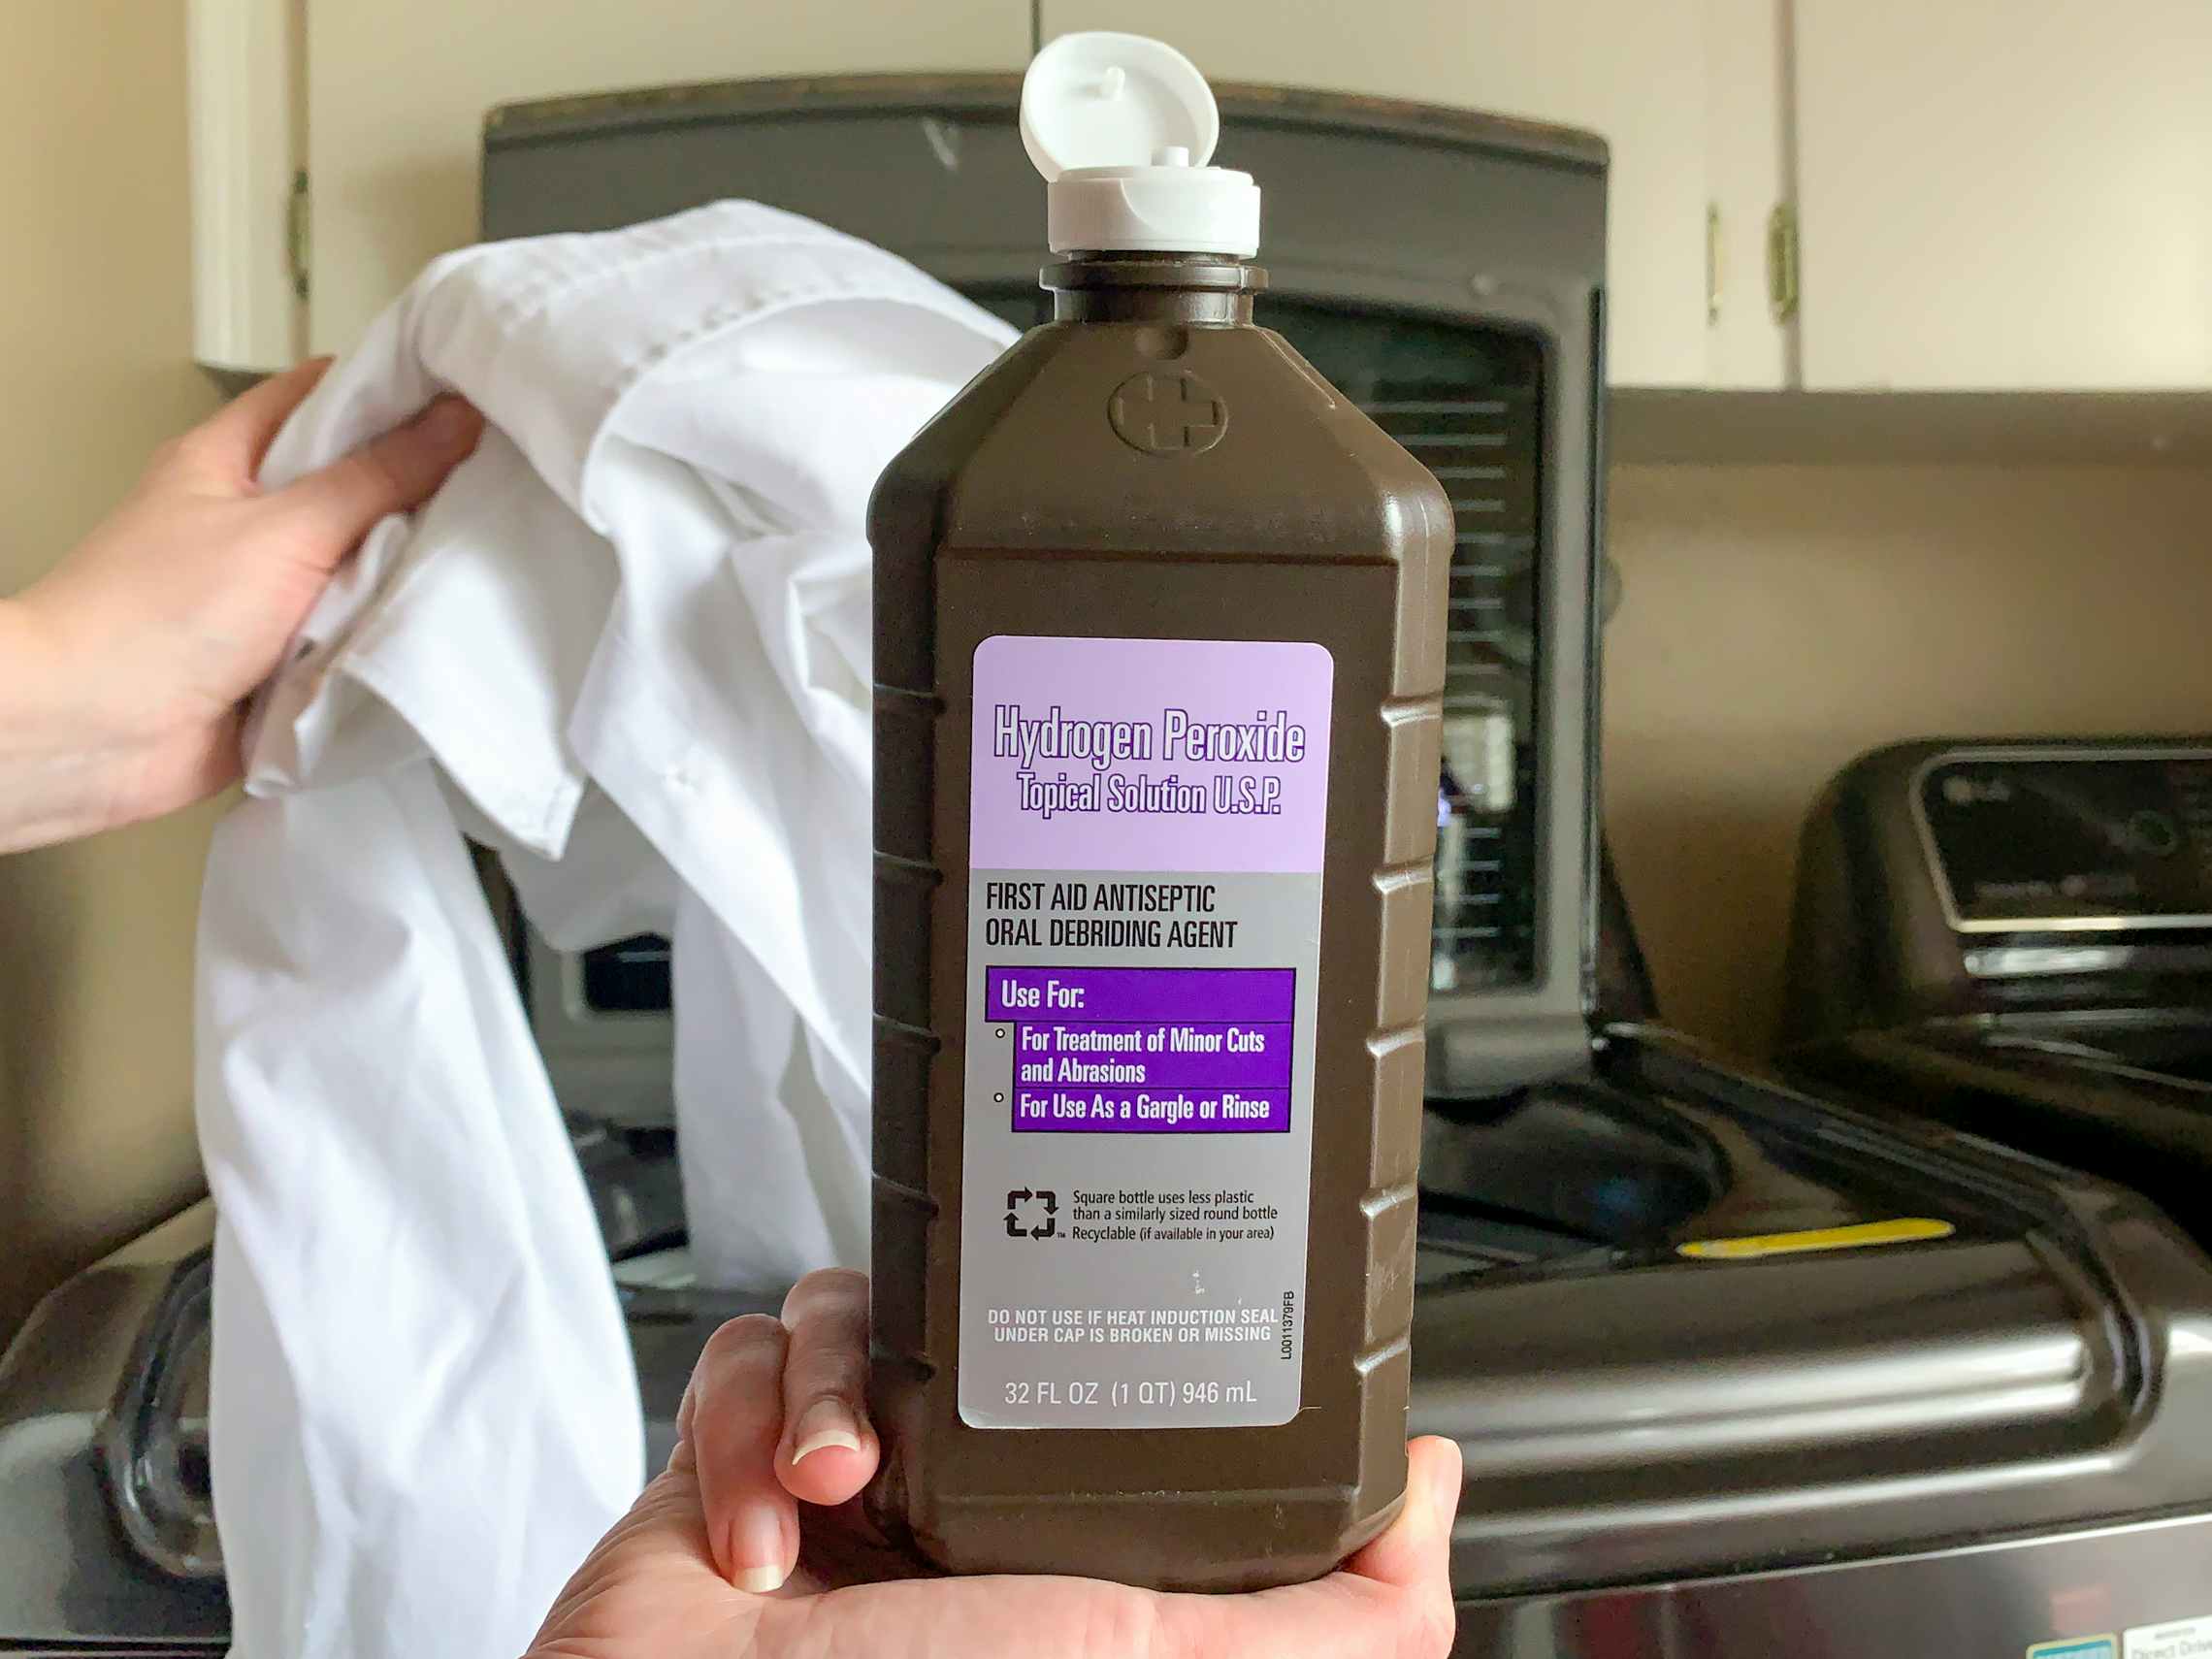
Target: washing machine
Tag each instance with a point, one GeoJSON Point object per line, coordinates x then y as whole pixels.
{"type": "Point", "coordinates": [1737, 1370]}
{"type": "Point", "coordinates": [2015, 937]}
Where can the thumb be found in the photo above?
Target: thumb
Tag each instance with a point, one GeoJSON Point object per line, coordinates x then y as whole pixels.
{"type": "Point", "coordinates": [1393, 1597]}
{"type": "Point", "coordinates": [1415, 1552]}
{"type": "Point", "coordinates": [392, 474]}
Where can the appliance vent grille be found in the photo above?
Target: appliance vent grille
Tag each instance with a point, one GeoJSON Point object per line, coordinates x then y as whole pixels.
{"type": "Point", "coordinates": [1482, 442]}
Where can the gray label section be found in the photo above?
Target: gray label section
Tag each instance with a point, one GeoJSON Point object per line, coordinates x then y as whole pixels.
{"type": "Point", "coordinates": [1138, 1152]}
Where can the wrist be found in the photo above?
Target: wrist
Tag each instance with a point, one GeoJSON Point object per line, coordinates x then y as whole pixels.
{"type": "Point", "coordinates": [63, 761]}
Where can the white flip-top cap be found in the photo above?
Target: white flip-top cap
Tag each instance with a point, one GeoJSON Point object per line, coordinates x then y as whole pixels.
{"type": "Point", "coordinates": [1122, 126]}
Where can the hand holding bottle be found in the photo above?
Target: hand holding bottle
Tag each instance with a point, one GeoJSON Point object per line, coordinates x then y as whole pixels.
{"type": "Point", "coordinates": [752, 1543]}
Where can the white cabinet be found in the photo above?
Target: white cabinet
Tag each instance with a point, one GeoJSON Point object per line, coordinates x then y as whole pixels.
{"type": "Point", "coordinates": [1990, 195]}
{"type": "Point", "coordinates": [242, 143]}
{"type": "Point", "coordinates": [1687, 93]}
{"type": "Point", "coordinates": [395, 94]}
{"type": "Point", "coordinates": [2005, 196]}
{"type": "Point", "coordinates": [1635, 72]}
{"type": "Point", "coordinates": [1747, 346]}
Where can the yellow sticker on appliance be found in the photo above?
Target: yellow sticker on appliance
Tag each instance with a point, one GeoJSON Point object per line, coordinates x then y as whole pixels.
{"type": "Point", "coordinates": [2184, 1638]}
{"type": "Point", "coordinates": [1905, 1229]}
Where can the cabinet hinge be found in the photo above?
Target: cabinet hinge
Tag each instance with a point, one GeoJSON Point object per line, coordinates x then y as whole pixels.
{"type": "Point", "coordinates": [1712, 262]}
{"type": "Point", "coordinates": [297, 249]}
{"type": "Point", "coordinates": [1782, 262]}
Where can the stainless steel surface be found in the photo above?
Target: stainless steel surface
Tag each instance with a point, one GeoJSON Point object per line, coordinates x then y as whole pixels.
{"type": "Point", "coordinates": [70, 1577]}
{"type": "Point", "coordinates": [1992, 1599]}
{"type": "Point", "coordinates": [612, 1067]}
{"type": "Point", "coordinates": [107, 1530]}
{"type": "Point", "coordinates": [153, 1445]}
{"type": "Point", "coordinates": [1628, 1417]}
{"type": "Point", "coordinates": [636, 1186]}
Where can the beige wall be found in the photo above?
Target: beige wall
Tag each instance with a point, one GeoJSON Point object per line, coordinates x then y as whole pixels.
{"type": "Point", "coordinates": [1778, 620]}
{"type": "Point", "coordinates": [95, 940]}
{"type": "Point", "coordinates": [398, 92]}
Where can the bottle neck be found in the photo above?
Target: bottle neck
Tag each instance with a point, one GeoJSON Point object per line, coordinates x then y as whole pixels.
{"type": "Point", "coordinates": [1197, 290]}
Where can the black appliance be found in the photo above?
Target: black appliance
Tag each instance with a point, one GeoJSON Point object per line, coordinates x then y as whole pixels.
{"type": "Point", "coordinates": [2015, 936]}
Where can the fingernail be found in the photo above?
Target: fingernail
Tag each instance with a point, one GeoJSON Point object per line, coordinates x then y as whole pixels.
{"type": "Point", "coordinates": [1445, 1497]}
{"type": "Point", "coordinates": [757, 1548]}
{"type": "Point", "coordinates": [821, 1426]}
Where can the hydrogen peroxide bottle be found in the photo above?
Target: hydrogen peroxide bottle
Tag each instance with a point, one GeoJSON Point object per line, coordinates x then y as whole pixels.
{"type": "Point", "coordinates": [1159, 644]}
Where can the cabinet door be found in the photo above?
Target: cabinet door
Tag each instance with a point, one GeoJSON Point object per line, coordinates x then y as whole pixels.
{"type": "Point", "coordinates": [1746, 146]}
{"type": "Point", "coordinates": [397, 92]}
{"type": "Point", "coordinates": [1634, 73]}
{"type": "Point", "coordinates": [2005, 196]}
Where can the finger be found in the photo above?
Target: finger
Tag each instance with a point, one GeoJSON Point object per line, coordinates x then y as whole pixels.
{"type": "Point", "coordinates": [1415, 1552]}
{"type": "Point", "coordinates": [400, 470]}
{"type": "Point", "coordinates": [232, 441]}
{"type": "Point", "coordinates": [828, 1452]}
{"type": "Point", "coordinates": [735, 1421]}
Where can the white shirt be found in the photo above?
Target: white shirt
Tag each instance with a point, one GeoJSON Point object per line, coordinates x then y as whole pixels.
{"type": "Point", "coordinates": [628, 647]}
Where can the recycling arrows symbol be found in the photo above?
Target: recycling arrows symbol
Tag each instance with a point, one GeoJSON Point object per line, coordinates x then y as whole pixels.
{"type": "Point", "coordinates": [1021, 1195]}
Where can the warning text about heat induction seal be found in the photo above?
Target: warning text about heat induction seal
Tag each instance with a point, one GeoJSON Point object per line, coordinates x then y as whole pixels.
{"type": "Point", "coordinates": [1266, 1331]}
{"type": "Point", "coordinates": [1138, 1327]}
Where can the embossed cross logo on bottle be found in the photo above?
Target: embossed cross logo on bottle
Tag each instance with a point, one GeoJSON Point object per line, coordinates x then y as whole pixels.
{"type": "Point", "coordinates": [1168, 412]}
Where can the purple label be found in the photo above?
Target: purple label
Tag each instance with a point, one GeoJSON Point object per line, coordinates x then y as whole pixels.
{"type": "Point", "coordinates": [1149, 755]}
{"type": "Point", "coordinates": [1147, 1051]}
{"type": "Point", "coordinates": [1133, 1111]}
{"type": "Point", "coordinates": [1247, 1056]}
{"type": "Point", "coordinates": [1089, 994]}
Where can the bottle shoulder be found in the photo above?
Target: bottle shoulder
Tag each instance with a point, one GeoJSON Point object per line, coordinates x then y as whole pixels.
{"type": "Point", "coordinates": [1161, 438]}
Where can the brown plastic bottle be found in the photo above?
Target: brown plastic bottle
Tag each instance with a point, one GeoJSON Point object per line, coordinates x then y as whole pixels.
{"type": "Point", "coordinates": [1159, 647]}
